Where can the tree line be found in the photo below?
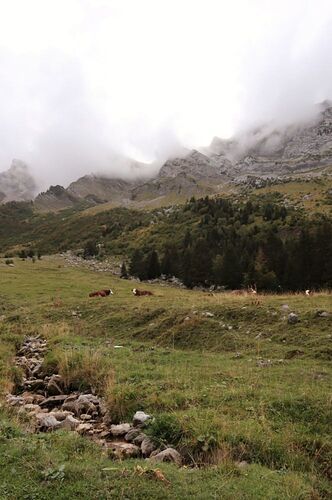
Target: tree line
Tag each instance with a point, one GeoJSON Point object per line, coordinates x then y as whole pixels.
{"type": "Point", "coordinates": [237, 245]}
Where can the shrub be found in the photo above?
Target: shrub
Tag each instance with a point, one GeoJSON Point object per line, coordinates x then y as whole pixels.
{"type": "Point", "coordinates": [86, 370]}
{"type": "Point", "coordinates": [166, 429]}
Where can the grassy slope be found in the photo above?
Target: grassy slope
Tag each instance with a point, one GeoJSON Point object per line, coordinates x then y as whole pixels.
{"type": "Point", "coordinates": [202, 372]}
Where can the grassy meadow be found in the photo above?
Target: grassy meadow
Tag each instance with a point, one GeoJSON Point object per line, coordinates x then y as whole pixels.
{"type": "Point", "coordinates": [227, 378]}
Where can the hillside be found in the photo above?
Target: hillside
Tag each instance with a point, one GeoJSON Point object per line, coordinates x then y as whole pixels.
{"type": "Point", "coordinates": [240, 392]}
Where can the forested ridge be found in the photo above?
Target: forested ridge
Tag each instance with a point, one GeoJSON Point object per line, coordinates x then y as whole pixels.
{"type": "Point", "coordinates": [233, 243]}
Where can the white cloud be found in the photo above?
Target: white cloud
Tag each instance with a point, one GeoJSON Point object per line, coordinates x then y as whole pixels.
{"type": "Point", "coordinates": [82, 80]}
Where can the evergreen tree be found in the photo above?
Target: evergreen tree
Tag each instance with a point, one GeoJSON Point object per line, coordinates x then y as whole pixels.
{"type": "Point", "coordinates": [124, 273]}
{"type": "Point", "coordinates": [153, 266]}
{"type": "Point", "coordinates": [137, 265]}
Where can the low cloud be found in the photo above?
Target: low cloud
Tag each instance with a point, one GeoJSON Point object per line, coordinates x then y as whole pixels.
{"type": "Point", "coordinates": [85, 82]}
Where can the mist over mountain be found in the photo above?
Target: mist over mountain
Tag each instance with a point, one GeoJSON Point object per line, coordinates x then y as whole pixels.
{"type": "Point", "coordinates": [105, 80]}
{"type": "Point", "coordinates": [267, 152]}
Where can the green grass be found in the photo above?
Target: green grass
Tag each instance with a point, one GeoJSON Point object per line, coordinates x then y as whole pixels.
{"type": "Point", "coordinates": [207, 379]}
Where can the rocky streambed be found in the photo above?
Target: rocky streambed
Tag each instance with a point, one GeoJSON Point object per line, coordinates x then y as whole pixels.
{"type": "Point", "coordinates": [50, 407]}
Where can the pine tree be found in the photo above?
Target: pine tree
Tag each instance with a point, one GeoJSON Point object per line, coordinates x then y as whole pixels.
{"type": "Point", "coordinates": [153, 266]}
{"type": "Point", "coordinates": [124, 273]}
{"type": "Point", "coordinates": [137, 265]}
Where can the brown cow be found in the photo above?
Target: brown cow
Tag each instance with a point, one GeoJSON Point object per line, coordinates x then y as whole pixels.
{"type": "Point", "coordinates": [140, 293]}
{"type": "Point", "coordinates": [101, 293]}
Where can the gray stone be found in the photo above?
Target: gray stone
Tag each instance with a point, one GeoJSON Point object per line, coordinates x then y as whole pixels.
{"type": "Point", "coordinates": [168, 455]}
{"type": "Point", "coordinates": [70, 423]}
{"type": "Point", "coordinates": [120, 429]}
{"type": "Point", "coordinates": [84, 428]}
{"type": "Point", "coordinates": [49, 423]}
{"type": "Point", "coordinates": [55, 385]}
{"type": "Point", "coordinates": [140, 418]}
{"type": "Point", "coordinates": [53, 401]}
{"type": "Point", "coordinates": [138, 440]}
{"type": "Point", "coordinates": [124, 450]}
{"type": "Point", "coordinates": [132, 434]}
{"type": "Point", "coordinates": [293, 318]}
{"type": "Point", "coordinates": [147, 447]}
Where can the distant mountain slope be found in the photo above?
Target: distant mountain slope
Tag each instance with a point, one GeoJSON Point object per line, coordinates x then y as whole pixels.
{"type": "Point", "coordinates": [268, 152]}
{"type": "Point", "coordinates": [16, 183]}
{"type": "Point", "coordinates": [103, 188]}
{"type": "Point", "coordinates": [55, 198]}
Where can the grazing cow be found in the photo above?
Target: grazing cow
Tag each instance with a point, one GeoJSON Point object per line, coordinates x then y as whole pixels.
{"type": "Point", "coordinates": [139, 293]}
{"type": "Point", "coordinates": [101, 293]}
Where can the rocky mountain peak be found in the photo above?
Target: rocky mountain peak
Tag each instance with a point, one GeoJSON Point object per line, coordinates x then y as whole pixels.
{"type": "Point", "coordinates": [17, 183]}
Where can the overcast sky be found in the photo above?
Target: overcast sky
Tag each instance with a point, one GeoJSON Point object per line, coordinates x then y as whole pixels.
{"type": "Point", "coordinates": [84, 80]}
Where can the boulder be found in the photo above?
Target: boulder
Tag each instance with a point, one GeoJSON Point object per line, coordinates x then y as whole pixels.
{"type": "Point", "coordinates": [120, 430]}
{"type": "Point", "coordinates": [70, 423]}
{"type": "Point", "coordinates": [140, 418]}
{"type": "Point", "coordinates": [293, 318]}
{"type": "Point", "coordinates": [55, 385]}
{"type": "Point", "coordinates": [84, 428]}
{"type": "Point", "coordinates": [48, 423]}
{"type": "Point", "coordinates": [138, 440]}
{"type": "Point", "coordinates": [53, 401]}
{"type": "Point", "coordinates": [123, 450]}
{"type": "Point", "coordinates": [148, 446]}
{"type": "Point", "coordinates": [132, 434]}
{"type": "Point", "coordinates": [168, 455]}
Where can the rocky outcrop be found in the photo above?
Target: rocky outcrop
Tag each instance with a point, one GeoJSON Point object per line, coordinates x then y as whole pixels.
{"type": "Point", "coordinates": [55, 198]}
{"type": "Point", "coordinates": [83, 413]}
{"type": "Point", "coordinates": [16, 183]}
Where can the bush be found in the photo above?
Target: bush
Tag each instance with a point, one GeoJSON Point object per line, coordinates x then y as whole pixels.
{"type": "Point", "coordinates": [86, 370]}
{"type": "Point", "coordinates": [9, 261]}
{"type": "Point", "coordinates": [166, 429]}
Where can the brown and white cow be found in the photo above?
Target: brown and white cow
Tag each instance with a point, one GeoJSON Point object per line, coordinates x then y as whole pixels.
{"type": "Point", "coordinates": [101, 293]}
{"type": "Point", "coordinates": [140, 293]}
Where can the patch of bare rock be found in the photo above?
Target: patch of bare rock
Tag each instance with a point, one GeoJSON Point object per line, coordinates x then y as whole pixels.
{"type": "Point", "coordinates": [45, 401]}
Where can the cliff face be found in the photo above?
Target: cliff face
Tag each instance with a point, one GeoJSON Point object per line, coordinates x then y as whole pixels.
{"type": "Point", "coordinates": [16, 183]}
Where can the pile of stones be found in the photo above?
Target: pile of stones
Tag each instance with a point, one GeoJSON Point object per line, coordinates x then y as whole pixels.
{"type": "Point", "coordinates": [44, 399]}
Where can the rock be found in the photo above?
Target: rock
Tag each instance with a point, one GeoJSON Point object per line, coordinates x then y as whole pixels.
{"type": "Point", "coordinates": [207, 314]}
{"type": "Point", "coordinates": [323, 314]}
{"type": "Point", "coordinates": [123, 450]}
{"type": "Point", "coordinates": [14, 400]}
{"type": "Point", "coordinates": [55, 385]}
{"type": "Point", "coordinates": [147, 447]}
{"type": "Point", "coordinates": [293, 318]}
{"type": "Point", "coordinates": [53, 401]}
{"type": "Point", "coordinates": [107, 418]}
{"type": "Point", "coordinates": [49, 423]}
{"type": "Point", "coordinates": [60, 415]}
{"type": "Point", "coordinates": [140, 418]}
{"type": "Point", "coordinates": [284, 307]}
{"type": "Point", "coordinates": [70, 423]}
{"type": "Point", "coordinates": [120, 430]}
{"type": "Point", "coordinates": [168, 455]}
{"type": "Point", "coordinates": [34, 384]}
{"type": "Point", "coordinates": [86, 403]}
{"type": "Point", "coordinates": [138, 440]}
{"type": "Point", "coordinates": [85, 416]}
{"type": "Point", "coordinates": [132, 434]}
{"type": "Point", "coordinates": [242, 465]}
{"type": "Point", "coordinates": [31, 407]}
{"type": "Point", "coordinates": [84, 428]}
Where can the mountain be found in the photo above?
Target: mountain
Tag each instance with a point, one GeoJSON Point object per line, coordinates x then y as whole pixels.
{"type": "Point", "coordinates": [55, 198]}
{"type": "Point", "coordinates": [102, 188]}
{"type": "Point", "coordinates": [16, 183]}
{"type": "Point", "coordinates": [267, 152]}
{"type": "Point", "coordinates": [281, 151]}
